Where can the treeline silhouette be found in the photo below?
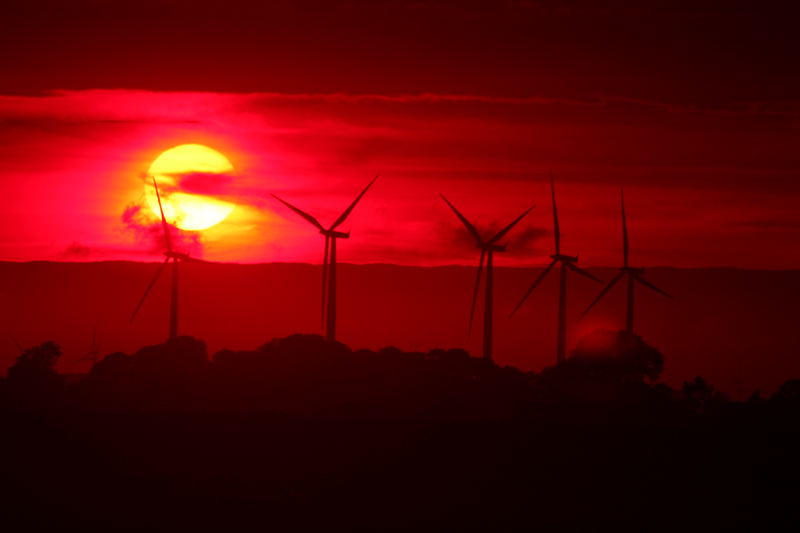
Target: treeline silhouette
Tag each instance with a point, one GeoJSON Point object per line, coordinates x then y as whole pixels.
{"type": "Point", "coordinates": [306, 434]}
{"type": "Point", "coordinates": [609, 372]}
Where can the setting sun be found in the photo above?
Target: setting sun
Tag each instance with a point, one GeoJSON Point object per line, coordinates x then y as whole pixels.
{"type": "Point", "coordinates": [192, 180]}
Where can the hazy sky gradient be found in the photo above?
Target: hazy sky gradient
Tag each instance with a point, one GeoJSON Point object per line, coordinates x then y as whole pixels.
{"type": "Point", "coordinates": [691, 107]}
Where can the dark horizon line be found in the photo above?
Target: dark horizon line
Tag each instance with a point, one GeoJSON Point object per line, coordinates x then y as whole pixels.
{"type": "Point", "coordinates": [399, 265]}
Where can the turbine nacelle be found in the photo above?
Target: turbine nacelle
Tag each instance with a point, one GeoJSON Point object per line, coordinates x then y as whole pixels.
{"type": "Point", "coordinates": [334, 234]}
{"type": "Point", "coordinates": [564, 258]}
{"type": "Point", "coordinates": [491, 247]}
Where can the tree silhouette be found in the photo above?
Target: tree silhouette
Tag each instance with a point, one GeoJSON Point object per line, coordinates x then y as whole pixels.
{"type": "Point", "coordinates": [620, 354]}
{"type": "Point", "coordinates": [701, 396]}
{"type": "Point", "coordinates": [789, 393]}
{"type": "Point", "coordinates": [35, 362]}
{"type": "Point", "coordinates": [607, 370]}
{"type": "Point", "coordinates": [32, 379]}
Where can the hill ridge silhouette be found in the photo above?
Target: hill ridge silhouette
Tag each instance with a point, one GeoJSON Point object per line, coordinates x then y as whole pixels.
{"type": "Point", "coordinates": [718, 321]}
{"type": "Point", "coordinates": [609, 373]}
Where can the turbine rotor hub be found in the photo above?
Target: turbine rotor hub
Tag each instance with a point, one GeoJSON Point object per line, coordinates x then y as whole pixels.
{"type": "Point", "coordinates": [335, 234]}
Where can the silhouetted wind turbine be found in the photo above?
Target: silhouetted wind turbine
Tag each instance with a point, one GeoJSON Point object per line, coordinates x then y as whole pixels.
{"type": "Point", "coordinates": [634, 275]}
{"type": "Point", "coordinates": [176, 258]}
{"type": "Point", "coordinates": [488, 248]}
{"type": "Point", "coordinates": [567, 262]}
{"type": "Point", "coordinates": [329, 259]}
{"type": "Point", "coordinates": [94, 349]}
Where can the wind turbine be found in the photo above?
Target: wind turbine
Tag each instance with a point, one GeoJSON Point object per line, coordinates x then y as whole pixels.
{"type": "Point", "coordinates": [329, 259]}
{"type": "Point", "coordinates": [487, 247]}
{"type": "Point", "coordinates": [94, 349]}
{"type": "Point", "coordinates": [633, 274]}
{"type": "Point", "coordinates": [566, 262]}
{"type": "Point", "coordinates": [175, 258]}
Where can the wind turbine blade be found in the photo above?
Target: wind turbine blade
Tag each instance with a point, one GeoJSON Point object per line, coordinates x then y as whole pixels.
{"type": "Point", "coordinates": [462, 218]}
{"type": "Point", "coordinates": [302, 213]}
{"type": "Point", "coordinates": [583, 272]}
{"type": "Point", "coordinates": [325, 278]}
{"type": "Point", "coordinates": [651, 286]}
{"type": "Point", "coordinates": [556, 227]}
{"type": "Point", "coordinates": [163, 218]}
{"type": "Point", "coordinates": [347, 211]}
{"type": "Point", "coordinates": [603, 293]}
{"type": "Point", "coordinates": [625, 246]}
{"type": "Point", "coordinates": [475, 291]}
{"type": "Point", "coordinates": [535, 284]}
{"type": "Point", "coordinates": [505, 230]}
{"type": "Point", "coordinates": [149, 288]}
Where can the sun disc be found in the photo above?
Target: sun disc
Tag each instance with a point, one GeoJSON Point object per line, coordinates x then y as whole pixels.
{"type": "Point", "coordinates": [191, 209]}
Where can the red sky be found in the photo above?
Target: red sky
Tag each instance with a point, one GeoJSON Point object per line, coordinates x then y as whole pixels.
{"type": "Point", "coordinates": [691, 107]}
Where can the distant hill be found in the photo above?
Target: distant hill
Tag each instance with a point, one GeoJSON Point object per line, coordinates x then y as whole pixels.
{"type": "Point", "coordinates": [735, 327]}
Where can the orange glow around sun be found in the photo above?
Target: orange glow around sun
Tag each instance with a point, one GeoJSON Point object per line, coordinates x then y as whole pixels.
{"type": "Point", "coordinates": [191, 209]}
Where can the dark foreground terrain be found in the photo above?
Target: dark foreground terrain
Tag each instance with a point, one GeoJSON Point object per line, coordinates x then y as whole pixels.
{"type": "Point", "coordinates": [301, 434]}
{"type": "Point", "coordinates": [183, 472]}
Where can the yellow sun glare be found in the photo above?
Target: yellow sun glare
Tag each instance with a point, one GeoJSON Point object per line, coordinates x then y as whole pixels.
{"type": "Point", "coordinates": [188, 211]}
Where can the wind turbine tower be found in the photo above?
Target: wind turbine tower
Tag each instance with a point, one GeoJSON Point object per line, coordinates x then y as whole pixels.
{"type": "Point", "coordinates": [633, 275]}
{"type": "Point", "coordinates": [94, 349]}
{"type": "Point", "coordinates": [488, 247]}
{"type": "Point", "coordinates": [329, 259]}
{"type": "Point", "coordinates": [566, 263]}
{"type": "Point", "coordinates": [175, 258]}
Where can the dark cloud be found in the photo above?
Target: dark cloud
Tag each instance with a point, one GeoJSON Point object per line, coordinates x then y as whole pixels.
{"type": "Point", "coordinates": [527, 238]}
{"type": "Point", "coordinates": [234, 188]}
{"type": "Point", "coordinates": [75, 251]}
{"type": "Point", "coordinates": [521, 240]}
{"type": "Point", "coordinates": [459, 102]}
{"type": "Point", "coordinates": [203, 183]}
{"type": "Point", "coordinates": [149, 232]}
{"type": "Point", "coordinates": [690, 52]}
{"type": "Point", "coordinates": [771, 224]}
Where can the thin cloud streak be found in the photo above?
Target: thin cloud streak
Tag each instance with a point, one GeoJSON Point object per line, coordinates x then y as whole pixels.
{"type": "Point", "coordinates": [704, 174]}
